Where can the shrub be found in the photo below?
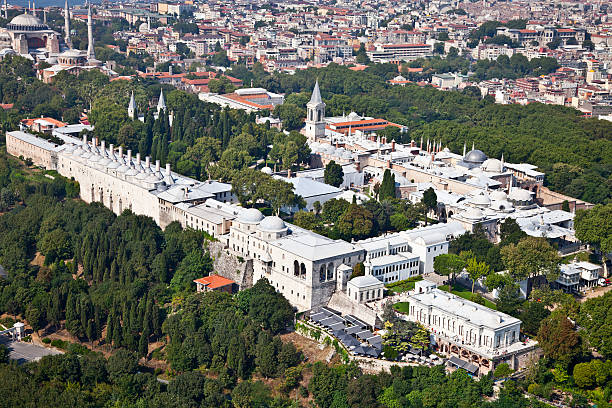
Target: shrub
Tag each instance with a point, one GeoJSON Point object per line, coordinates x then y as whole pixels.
{"type": "Point", "coordinates": [502, 371]}
{"type": "Point", "coordinates": [46, 340]}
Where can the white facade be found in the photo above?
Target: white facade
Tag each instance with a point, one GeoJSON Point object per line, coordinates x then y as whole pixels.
{"type": "Point", "coordinates": [485, 330]}
{"type": "Point", "coordinates": [364, 289]}
{"type": "Point", "coordinates": [300, 264]}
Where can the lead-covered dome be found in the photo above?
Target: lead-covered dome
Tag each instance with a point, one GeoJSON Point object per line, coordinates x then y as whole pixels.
{"type": "Point", "coordinates": [520, 195]}
{"type": "Point", "coordinates": [475, 156]}
{"type": "Point", "coordinates": [26, 22]}
{"type": "Point", "coordinates": [250, 216]}
{"type": "Point", "coordinates": [492, 166]}
{"type": "Point", "coordinates": [272, 224]}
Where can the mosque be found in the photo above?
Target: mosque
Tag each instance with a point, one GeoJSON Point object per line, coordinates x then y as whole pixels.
{"type": "Point", "coordinates": [27, 35]}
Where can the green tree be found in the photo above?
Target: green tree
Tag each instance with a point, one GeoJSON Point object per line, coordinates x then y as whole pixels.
{"type": "Point", "coordinates": [584, 375]}
{"type": "Point", "coordinates": [594, 227]}
{"type": "Point", "coordinates": [449, 265]}
{"type": "Point", "coordinates": [503, 370]}
{"type": "Point", "coordinates": [476, 270]}
{"type": "Point", "coordinates": [558, 339]}
{"type": "Point", "coordinates": [333, 174]}
{"type": "Point", "coordinates": [196, 264]}
{"type": "Point", "coordinates": [355, 223]}
{"type": "Point", "coordinates": [306, 219]}
{"type": "Point", "coordinates": [430, 200]}
{"type": "Point", "coordinates": [387, 187]}
{"type": "Point", "coordinates": [531, 257]}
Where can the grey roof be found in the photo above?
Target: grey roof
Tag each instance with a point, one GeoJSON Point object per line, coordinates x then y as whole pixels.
{"type": "Point", "coordinates": [365, 281]}
{"type": "Point", "coordinates": [475, 156]}
{"type": "Point", "coordinates": [473, 312]}
{"type": "Point", "coordinates": [132, 104]}
{"type": "Point", "coordinates": [307, 187]}
{"type": "Point", "coordinates": [161, 104]}
{"type": "Point", "coordinates": [316, 94]}
{"type": "Point", "coordinates": [33, 140]}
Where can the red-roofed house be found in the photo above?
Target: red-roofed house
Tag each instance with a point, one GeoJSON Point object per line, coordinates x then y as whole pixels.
{"type": "Point", "coordinates": [215, 283]}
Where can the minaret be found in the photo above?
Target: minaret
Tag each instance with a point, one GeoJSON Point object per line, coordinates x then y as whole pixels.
{"type": "Point", "coordinates": [161, 104]}
{"type": "Point", "coordinates": [464, 149]}
{"type": "Point", "coordinates": [67, 39]}
{"type": "Point", "coordinates": [34, 8]}
{"type": "Point", "coordinates": [315, 117]}
{"type": "Point", "coordinates": [132, 108]}
{"type": "Point", "coordinates": [5, 10]}
{"type": "Point", "coordinates": [149, 23]}
{"type": "Point", "coordinates": [90, 41]}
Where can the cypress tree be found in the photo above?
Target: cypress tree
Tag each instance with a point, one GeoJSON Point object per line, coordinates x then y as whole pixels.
{"type": "Point", "coordinates": [387, 187]}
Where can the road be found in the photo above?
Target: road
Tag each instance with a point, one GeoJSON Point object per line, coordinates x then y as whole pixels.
{"type": "Point", "coordinates": [25, 352]}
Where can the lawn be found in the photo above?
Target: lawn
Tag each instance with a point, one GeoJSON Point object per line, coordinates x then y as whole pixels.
{"type": "Point", "coordinates": [466, 293]}
{"type": "Point", "coordinates": [403, 286]}
{"type": "Point", "coordinates": [402, 307]}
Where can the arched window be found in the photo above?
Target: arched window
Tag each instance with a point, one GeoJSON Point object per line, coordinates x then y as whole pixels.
{"type": "Point", "coordinates": [322, 273]}
{"type": "Point", "coordinates": [319, 115]}
{"type": "Point", "coordinates": [296, 268]}
{"type": "Point", "coordinates": [303, 271]}
{"type": "Point", "coordinates": [330, 271]}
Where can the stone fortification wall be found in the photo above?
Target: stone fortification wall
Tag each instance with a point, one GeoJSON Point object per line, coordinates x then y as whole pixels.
{"type": "Point", "coordinates": [342, 303]}
{"type": "Point", "coordinates": [231, 266]}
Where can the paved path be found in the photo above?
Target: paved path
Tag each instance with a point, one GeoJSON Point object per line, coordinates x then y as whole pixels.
{"type": "Point", "coordinates": [25, 352]}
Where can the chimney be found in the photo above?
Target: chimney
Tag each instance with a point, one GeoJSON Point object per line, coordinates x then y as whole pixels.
{"type": "Point", "coordinates": [129, 159]}
{"type": "Point", "coordinates": [157, 166]}
{"type": "Point", "coordinates": [137, 158]}
{"type": "Point", "coordinates": [388, 164]}
{"type": "Point", "coordinates": [289, 173]}
{"type": "Point", "coordinates": [148, 163]}
{"type": "Point", "coordinates": [357, 166]}
{"type": "Point", "coordinates": [185, 191]}
{"type": "Point", "coordinates": [112, 149]}
{"type": "Point", "coordinates": [103, 148]}
{"type": "Point", "coordinates": [120, 152]}
{"type": "Point", "coordinates": [84, 139]}
{"type": "Point", "coordinates": [167, 169]}
{"type": "Point", "coordinates": [393, 145]}
{"type": "Point", "coordinates": [95, 141]}
{"type": "Point", "coordinates": [384, 140]}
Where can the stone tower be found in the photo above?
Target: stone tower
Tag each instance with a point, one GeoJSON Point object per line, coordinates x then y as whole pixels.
{"type": "Point", "coordinates": [161, 103]}
{"type": "Point", "coordinates": [315, 123]}
{"type": "Point", "coordinates": [132, 108]}
{"type": "Point", "coordinates": [90, 40]}
{"type": "Point", "coordinates": [67, 39]}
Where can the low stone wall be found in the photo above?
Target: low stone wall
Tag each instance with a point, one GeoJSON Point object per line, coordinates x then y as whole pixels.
{"type": "Point", "coordinates": [230, 266]}
{"type": "Point", "coordinates": [342, 303]}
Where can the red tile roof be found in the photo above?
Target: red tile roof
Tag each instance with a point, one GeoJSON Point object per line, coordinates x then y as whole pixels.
{"type": "Point", "coordinates": [214, 281]}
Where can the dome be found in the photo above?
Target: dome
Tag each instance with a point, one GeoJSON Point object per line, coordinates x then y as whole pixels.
{"type": "Point", "coordinates": [266, 170]}
{"type": "Point", "coordinates": [250, 216]}
{"type": "Point", "coordinates": [272, 224]}
{"type": "Point", "coordinates": [354, 116]}
{"type": "Point", "coordinates": [26, 20]}
{"type": "Point", "coordinates": [518, 194]}
{"type": "Point", "coordinates": [347, 155]}
{"type": "Point", "coordinates": [492, 166]}
{"type": "Point", "coordinates": [473, 214]}
{"type": "Point", "coordinates": [475, 156]}
{"type": "Point", "coordinates": [143, 28]}
{"type": "Point", "coordinates": [498, 195]}
{"type": "Point", "coordinates": [331, 150]}
{"type": "Point", "coordinates": [481, 200]}
{"type": "Point", "coordinates": [71, 53]}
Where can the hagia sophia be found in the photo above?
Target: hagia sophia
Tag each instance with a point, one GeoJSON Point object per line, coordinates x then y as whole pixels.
{"type": "Point", "coordinates": [28, 36]}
